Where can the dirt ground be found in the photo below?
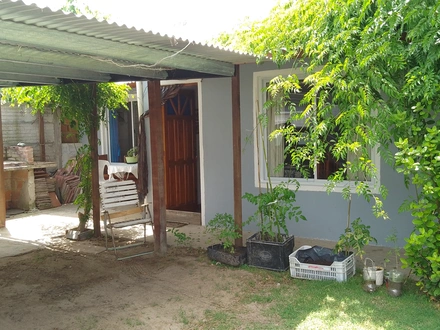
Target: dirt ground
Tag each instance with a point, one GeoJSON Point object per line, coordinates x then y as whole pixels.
{"type": "Point", "coordinates": [55, 289]}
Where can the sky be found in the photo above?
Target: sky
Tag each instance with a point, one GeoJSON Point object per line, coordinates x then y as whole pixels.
{"type": "Point", "coordinates": [199, 20]}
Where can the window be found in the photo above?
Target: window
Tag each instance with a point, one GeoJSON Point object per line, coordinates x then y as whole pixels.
{"type": "Point", "coordinates": [280, 165]}
{"type": "Point", "coordinates": [123, 129]}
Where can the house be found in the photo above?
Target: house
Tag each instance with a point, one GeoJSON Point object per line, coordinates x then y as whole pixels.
{"type": "Point", "coordinates": [223, 88]}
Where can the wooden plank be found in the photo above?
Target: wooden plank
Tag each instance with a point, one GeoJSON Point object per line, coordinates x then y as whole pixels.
{"type": "Point", "coordinates": [124, 213]}
{"type": "Point", "coordinates": [157, 156]}
{"type": "Point", "coordinates": [236, 149]}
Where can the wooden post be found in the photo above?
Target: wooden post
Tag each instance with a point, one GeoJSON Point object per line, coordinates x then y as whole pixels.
{"type": "Point", "coordinates": [95, 174]}
{"type": "Point", "coordinates": [42, 137]}
{"type": "Point", "coordinates": [2, 177]}
{"type": "Point", "coordinates": [157, 168]}
{"type": "Point", "coordinates": [236, 149]}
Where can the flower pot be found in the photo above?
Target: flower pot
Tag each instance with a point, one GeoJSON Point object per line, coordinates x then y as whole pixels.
{"type": "Point", "coordinates": [217, 253]}
{"type": "Point", "coordinates": [379, 275]}
{"type": "Point", "coordinates": [269, 255]}
{"type": "Point", "coordinates": [131, 160]}
{"type": "Point", "coordinates": [77, 235]}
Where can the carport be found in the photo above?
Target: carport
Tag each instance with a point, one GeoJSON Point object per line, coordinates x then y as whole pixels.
{"type": "Point", "coordinates": [41, 47]}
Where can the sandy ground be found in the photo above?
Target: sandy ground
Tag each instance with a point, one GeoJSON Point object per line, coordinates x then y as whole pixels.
{"type": "Point", "coordinates": [49, 282]}
{"type": "Point", "coordinates": [50, 289]}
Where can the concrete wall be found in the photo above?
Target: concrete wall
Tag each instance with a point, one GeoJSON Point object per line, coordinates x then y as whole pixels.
{"type": "Point", "coordinates": [19, 125]}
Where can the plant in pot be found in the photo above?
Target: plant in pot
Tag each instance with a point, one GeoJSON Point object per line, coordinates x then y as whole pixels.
{"type": "Point", "coordinates": [354, 239]}
{"type": "Point", "coordinates": [271, 246]}
{"type": "Point", "coordinates": [223, 228]}
{"type": "Point", "coordinates": [132, 156]}
{"type": "Point", "coordinates": [395, 277]}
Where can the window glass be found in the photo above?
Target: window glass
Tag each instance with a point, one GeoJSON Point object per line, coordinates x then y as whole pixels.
{"type": "Point", "coordinates": [280, 163]}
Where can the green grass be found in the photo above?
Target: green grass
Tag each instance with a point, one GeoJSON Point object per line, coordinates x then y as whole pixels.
{"type": "Point", "coordinates": [287, 303]}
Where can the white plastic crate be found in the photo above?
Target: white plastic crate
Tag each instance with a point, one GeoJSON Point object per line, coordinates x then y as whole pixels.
{"type": "Point", "coordinates": [338, 270]}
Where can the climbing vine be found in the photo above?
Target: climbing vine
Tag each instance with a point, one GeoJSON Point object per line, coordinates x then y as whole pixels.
{"type": "Point", "coordinates": [378, 62]}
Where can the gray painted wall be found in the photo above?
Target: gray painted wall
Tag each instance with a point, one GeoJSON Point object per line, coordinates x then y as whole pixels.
{"type": "Point", "coordinates": [216, 149]}
{"type": "Point", "coordinates": [326, 214]}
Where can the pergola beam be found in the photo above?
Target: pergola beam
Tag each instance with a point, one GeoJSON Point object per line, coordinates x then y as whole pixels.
{"type": "Point", "coordinates": [13, 79]}
{"type": "Point", "coordinates": [71, 61]}
{"type": "Point", "coordinates": [9, 67]}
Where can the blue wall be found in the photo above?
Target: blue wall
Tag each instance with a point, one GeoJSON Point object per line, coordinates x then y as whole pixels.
{"type": "Point", "coordinates": [326, 214]}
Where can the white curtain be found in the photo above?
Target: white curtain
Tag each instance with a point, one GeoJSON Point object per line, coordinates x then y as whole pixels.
{"type": "Point", "coordinates": [275, 146]}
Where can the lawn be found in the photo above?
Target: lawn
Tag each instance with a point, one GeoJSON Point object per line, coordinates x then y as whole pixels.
{"type": "Point", "coordinates": [287, 303]}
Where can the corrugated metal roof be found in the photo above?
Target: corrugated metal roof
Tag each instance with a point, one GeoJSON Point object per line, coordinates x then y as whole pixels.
{"type": "Point", "coordinates": [13, 10]}
{"type": "Point", "coordinates": [35, 41]}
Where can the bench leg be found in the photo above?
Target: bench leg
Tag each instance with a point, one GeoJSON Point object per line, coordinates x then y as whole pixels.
{"type": "Point", "coordinates": [113, 240]}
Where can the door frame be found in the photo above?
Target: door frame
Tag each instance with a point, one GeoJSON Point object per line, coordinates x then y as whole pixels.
{"type": "Point", "coordinates": [201, 151]}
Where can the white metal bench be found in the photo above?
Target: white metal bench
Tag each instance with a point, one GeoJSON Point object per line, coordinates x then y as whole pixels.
{"type": "Point", "coordinates": [121, 208]}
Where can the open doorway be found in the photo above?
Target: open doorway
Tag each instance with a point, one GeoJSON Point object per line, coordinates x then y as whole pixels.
{"type": "Point", "coordinates": [182, 160]}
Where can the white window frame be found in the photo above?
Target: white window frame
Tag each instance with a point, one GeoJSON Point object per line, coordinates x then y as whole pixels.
{"type": "Point", "coordinates": [260, 78]}
{"type": "Point", "coordinates": [104, 125]}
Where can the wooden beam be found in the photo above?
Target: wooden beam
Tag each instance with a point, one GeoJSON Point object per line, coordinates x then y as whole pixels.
{"type": "Point", "coordinates": [95, 174]}
{"type": "Point", "coordinates": [32, 55]}
{"type": "Point", "coordinates": [106, 50]}
{"type": "Point", "coordinates": [157, 168]}
{"type": "Point", "coordinates": [10, 67]}
{"type": "Point", "coordinates": [29, 79]}
{"type": "Point", "coordinates": [236, 150]}
{"type": "Point", "coordinates": [2, 177]}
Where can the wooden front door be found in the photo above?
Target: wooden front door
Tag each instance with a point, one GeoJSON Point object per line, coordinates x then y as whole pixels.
{"type": "Point", "coordinates": [181, 145]}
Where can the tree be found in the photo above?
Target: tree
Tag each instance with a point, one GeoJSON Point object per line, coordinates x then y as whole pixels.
{"type": "Point", "coordinates": [76, 102]}
{"type": "Point", "coordinates": [78, 7]}
{"type": "Point", "coordinates": [378, 61]}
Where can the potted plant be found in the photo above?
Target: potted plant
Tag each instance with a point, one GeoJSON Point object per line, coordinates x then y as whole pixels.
{"type": "Point", "coordinates": [132, 156]}
{"type": "Point", "coordinates": [354, 239]}
{"type": "Point", "coordinates": [223, 228]}
{"type": "Point", "coordinates": [395, 276]}
{"type": "Point", "coordinates": [271, 246]}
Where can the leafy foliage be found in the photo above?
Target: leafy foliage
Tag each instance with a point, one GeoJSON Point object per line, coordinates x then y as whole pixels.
{"type": "Point", "coordinates": [355, 238]}
{"type": "Point", "coordinates": [132, 152]}
{"type": "Point", "coordinates": [224, 229]}
{"type": "Point", "coordinates": [83, 166]}
{"type": "Point", "coordinates": [274, 208]}
{"type": "Point", "coordinates": [377, 61]}
{"type": "Point", "coordinates": [181, 238]}
{"type": "Point", "coordinates": [78, 7]}
{"type": "Point", "coordinates": [76, 102]}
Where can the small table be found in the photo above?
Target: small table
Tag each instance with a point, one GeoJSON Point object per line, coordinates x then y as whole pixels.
{"type": "Point", "coordinates": [122, 170]}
